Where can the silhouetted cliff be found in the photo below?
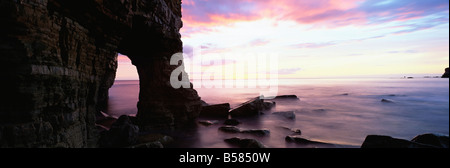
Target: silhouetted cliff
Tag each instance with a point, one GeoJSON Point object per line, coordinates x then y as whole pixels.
{"type": "Point", "coordinates": [59, 58]}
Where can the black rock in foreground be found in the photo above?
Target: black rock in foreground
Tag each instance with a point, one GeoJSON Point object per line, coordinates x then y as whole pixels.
{"type": "Point", "coordinates": [420, 141]}
{"type": "Point", "coordinates": [447, 73]}
{"type": "Point", "coordinates": [245, 143]}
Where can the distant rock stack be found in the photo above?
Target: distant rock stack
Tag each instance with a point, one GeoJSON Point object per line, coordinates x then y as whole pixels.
{"type": "Point", "coordinates": [446, 74]}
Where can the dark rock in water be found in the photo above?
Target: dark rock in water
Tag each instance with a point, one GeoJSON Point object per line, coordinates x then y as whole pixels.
{"type": "Point", "coordinates": [319, 110]}
{"type": "Point", "coordinates": [245, 143]}
{"type": "Point", "coordinates": [258, 132]}
{"type": "Point", "coordinates": [204, 103]}
{"type": "Point", "coordinates": [155, 144]}
{"type": "Point", "coordinates": [268, 105]}
{"type": "Point", "coordinates": [122, 133]}
{"type": "Point", "coordinates": [440, 141]}
{"type": "Point", "coordinates": [232, 122]}
{"type": "Point", "coordinates": [293, 97]}
{"type": "Point", "coordinates": [382, 141]}
{"type": "Point", "coordinates": [218, 110]}
{"type": "Point", "coordinates": [207, 122]}
{"type": "Point", "coordinates": [296, 131]}
{"type": "Point", "coordinates": [387, 101]}
{"type": "Point", "coordinates": [233, 129]}
{"type": "Point", "coordinates": [286, 114]}
{"type": "Point", "coordinates": [152, 138]}
{"type": "Point", "coordinates": [230, 129]}
{"type": "Point", "coordinates": [250, 108]}
{"type": "Point", "coordinates": [306, 142]}
{"type": "Point", "coordinates": [446, 74]}
{"type": "Point", "coordinates": [345, 94]}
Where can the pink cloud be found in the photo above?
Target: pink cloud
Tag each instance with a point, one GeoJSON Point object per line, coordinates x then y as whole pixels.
{"type": "Point", "coordinates": [206, 13]}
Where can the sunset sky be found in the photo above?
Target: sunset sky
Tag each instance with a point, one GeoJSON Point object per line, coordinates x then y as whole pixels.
{"type": "Point", "coordinates": [321, 38]}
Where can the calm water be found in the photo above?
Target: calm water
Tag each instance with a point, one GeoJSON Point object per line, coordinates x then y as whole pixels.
{"type": "Point", "coordinates": [340, 111]}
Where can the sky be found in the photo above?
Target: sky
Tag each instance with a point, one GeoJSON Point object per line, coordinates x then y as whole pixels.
{"type": "Point", "coordinates": [317, 38]}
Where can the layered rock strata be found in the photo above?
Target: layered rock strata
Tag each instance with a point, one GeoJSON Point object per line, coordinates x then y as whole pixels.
{"type": "Point", "coordinates": [58, 58]}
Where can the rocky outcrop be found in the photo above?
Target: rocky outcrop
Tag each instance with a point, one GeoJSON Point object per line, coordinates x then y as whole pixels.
{"type": "Point", "coordinates": [252, 107]}
{"type": "Point", "coordinates": [447, 73]}
{"type": "Point", "coordinates": [233, 129]}
{"type": "Point", "coordinates": [286, 114]}
{"type": "Point", "coordinates": [420, 141]}
{"type": "Point", "coordinates": [440, 141]}
{"type": "Point", "coordinates": [308, 143]}
{"type": "Point", "coordinates": [59, 58]}
{"type": "Point", "coordinates": [216, 111]}
{"type": "Point", "coordinates": [245, 143]}
{"type": "Point", "coordinates": [122, 133]}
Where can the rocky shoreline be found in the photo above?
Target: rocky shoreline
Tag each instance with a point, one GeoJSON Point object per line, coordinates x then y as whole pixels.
{"type": "Point", "coordinates": [124, 132]}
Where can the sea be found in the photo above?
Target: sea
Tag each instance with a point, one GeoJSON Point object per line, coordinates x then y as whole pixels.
{"type": "Point", "coordinates": [341, 111]}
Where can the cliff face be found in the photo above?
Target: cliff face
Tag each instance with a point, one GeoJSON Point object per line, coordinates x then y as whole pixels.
{"type": "Point", "coordinates": [58, 58]}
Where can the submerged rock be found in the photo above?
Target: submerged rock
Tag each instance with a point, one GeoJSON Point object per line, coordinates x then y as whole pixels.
{"type": "Point", "coordinates": [293, 97]}
{"type": "Point", "coordinates": [258, 132]}
{"type": "Point", "coordinates": [250, 108]}
{"type": "Point", "coordinates": [306, 142]}
{"type": "Point", "coordinates": [155, 144]}
{"type": "Point", "coordinates": [204, 103]}
{"type": "Point", "coordinates": [218, 110]}
{"type": "Point", "coordinates": [230, 129]}
{"type": "Point", "coordinates": [152, 138]}
{"type": "Point", "coordinates": [121, 134]}
{"type": "Point", "coordinates": [208, 122]}
{"type": "Point", "coordinates": [387, 101]}
{"type": "Point", "coordinates": [269, 105]}
{"type": "Point", "coordinates": [286, 114]}
{"type": "Point", "coordinates": [440, 141]}
{"type": "Point", "coordinates": [232, 122]}
{"type": "Point", "coordinates": [233, 129]}
{"type": "Point", "coordinates": [245, 143]}
{"type": "Point", "coordinates": [382, 141]}
{"type": "Point", "coordinates": [296, 131]}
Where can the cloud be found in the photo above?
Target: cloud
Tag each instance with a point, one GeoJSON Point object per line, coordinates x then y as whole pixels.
{"type": "Point", "coordinates": [206, 13]}
{"type": "Point", "coordinates": [259, 42]}
{"type": "Point", "coordinates": [288, 71]}
{"type": "Point", "coordinates": [314, 45]}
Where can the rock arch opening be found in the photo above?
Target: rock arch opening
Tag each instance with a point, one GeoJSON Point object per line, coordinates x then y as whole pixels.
{"type": "Point", "coordinates": [60, 61]}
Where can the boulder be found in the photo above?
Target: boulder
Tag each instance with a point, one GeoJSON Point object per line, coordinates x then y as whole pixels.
{"type": "Point", "coordinates": [440, 141]}
{"type": "Point", "coordinates": [250, 108]}
{"type": "Point", "coordinates": [258, 132]}
{"type": "Point", "coordinates": [245, 143]}
{"type": "Point", "coordinates": [286, 114]}
{"type": "Point", "coordinates": [208, 122]}
{"type": "Point", "coordinates": [291, 97]}
{"type": "Point", "coordinates": [233, 129]}
{"type": "Point", "coordinates": [387, 101]}
{"type": "Point", "coordinates": [232, 122]}
{"type": "Point", "coordinates": [218, 110]}
{"type": "Point", "coordinates": [306, 142]}
{"type": "Point", "coordinates": [268, 105]}
{"type": "Point", "coordinates": [296, 131]}
{"type": "Point", "coordinates": [204, 103]}
{"type": "Point", "coordinates": [382, 141]}
{"type": "Point", "coordinates": [230, 129]}
{"type": "Point", "coordinates": [121, 134]}
{"type": "Point", "coordinates": [149, 138]}
{"type": "Point", "coordinates": [155, 144]}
